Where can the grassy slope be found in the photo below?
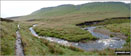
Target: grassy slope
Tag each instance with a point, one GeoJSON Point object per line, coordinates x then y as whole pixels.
{"type": "Point", "coordinates": [59, 10]}
{"type": "Point", "coordinates": [82, 11]}
{"type": "Point", "coordinates": [89, 7]}
{"type": "Point", "coordinates": [8, 34]}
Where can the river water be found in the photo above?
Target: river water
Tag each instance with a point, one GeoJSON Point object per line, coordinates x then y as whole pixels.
{"type": "Point", "coordinates": [103, 42]}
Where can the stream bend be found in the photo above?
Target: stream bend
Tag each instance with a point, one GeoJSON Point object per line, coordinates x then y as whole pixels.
{"type": "Point", "coordinates": [103, 42]}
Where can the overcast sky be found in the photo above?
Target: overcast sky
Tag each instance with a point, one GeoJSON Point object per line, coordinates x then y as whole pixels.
{"type": "Point", "coordinates": [18, 8]}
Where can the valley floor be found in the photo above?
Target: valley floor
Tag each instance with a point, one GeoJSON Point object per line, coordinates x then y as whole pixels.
{"type": "Point", "coordinates": [36, 46]}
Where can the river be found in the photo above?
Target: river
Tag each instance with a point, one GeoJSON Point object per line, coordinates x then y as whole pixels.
{"type": "Point", "coordinates": [103, 42]}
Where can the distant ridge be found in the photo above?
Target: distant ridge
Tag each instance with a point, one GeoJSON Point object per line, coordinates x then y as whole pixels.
{"type": "Point", "coordinates": [87, 8]}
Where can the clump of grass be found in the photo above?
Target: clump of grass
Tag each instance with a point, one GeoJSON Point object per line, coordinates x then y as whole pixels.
{"type": "Point", "coordinates": [107, 51]}
{"type": "Point", "coordinates": [128, 39]}
{"type": "Point", "coordinates": [84, 41]}
{"type": "Point", "coordinates": [111, 35]}
{"type": "Point", "coordinates": [76, 49]}
{"type": "Point", "coordinates": [52, 47]}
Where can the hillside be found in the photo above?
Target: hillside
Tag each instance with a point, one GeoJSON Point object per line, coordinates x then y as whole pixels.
{"type": "Point", "coordinates": [89, 7]}
{"type": "Point", "coordinates": [118, 8]}
{"type": "Point", "coordinates": [114, 9]}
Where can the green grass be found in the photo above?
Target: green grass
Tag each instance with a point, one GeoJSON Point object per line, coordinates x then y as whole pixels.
{"type": "Point", "coordinates": [8, 37]}
{"type": "Point", "coordinates": [122, 27]}
{"type": "Point", "coordinates": [111, 36]}
{"type": "Point", "coordinates": [70, 34]}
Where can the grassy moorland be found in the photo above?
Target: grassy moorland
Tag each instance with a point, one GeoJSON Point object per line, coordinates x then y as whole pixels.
{"type": "Point", "coordinates": [61, 22]}
{"type": "Point", "coordinates": [35, 46]}
{"type": "Point", "coordinates": [8, 37]}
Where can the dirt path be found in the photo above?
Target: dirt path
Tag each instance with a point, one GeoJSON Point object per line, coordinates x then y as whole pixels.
{"type": "Point", "coordinates": [19, 47]}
